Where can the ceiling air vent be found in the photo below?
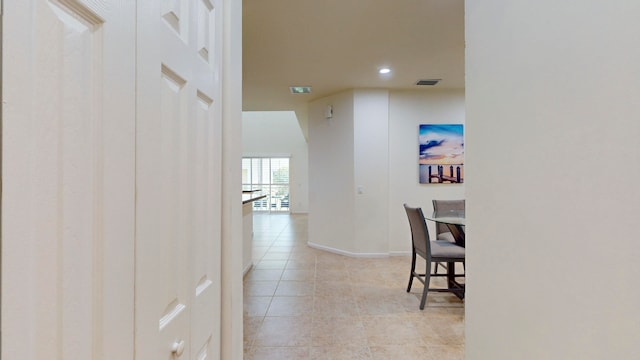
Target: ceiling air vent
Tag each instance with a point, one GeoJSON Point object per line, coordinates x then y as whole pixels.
{"type": "Point", "coordinates": [428, 82]}
{"type": "Point", "coordinates": [300, 89]}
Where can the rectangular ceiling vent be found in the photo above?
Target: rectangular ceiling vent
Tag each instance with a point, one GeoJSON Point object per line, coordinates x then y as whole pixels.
{"type": "Point", "coordinates": [300, 89]}
{"type": "Point", "coordinates": [430, 82]}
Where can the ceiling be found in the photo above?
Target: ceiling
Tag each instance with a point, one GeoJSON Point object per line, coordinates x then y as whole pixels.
{"type": "Point", "coordinates": [336, 45]}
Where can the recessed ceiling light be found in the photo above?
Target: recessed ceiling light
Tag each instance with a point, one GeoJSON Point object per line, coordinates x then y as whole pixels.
{"type": "Point", "coordinates": [384, 70]}
{"type": "Point", "coordinates": [300, 89]}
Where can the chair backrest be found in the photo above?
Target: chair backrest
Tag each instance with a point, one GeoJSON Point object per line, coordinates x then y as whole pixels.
{"type": "Point", "coordinates": [440, 206]}
{"type": "Point", "coordinates": [419, 232]}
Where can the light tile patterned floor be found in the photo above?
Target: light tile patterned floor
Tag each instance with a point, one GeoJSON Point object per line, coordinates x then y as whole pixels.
{"type": "Point", "coordinates": [303, 303]}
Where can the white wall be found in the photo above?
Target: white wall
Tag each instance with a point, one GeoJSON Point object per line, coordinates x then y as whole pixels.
{"type": "Point", "coordinates": [278, 133]}
{"type": "Point", "coordinates": [553, 161]}
{"type": "Point", "coordinates": [372, 143]}
{"type": "Point", "coordinates": [231, 339]}
{"type": "Point", "coordinates": [407, 110]}
{"type": "Point", "coordinates": [371, 170]}
{"type": "Point", "coordinates": [331, 173]}
{"type": "Point", "coordinates": [247, 237]}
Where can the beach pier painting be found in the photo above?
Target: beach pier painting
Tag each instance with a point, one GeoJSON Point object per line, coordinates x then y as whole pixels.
{"type": "Point", "coordinates": [441, 154]}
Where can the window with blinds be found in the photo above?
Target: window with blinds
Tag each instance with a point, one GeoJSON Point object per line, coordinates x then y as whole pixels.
{"type": "Point", "coordinates": [271, 176]}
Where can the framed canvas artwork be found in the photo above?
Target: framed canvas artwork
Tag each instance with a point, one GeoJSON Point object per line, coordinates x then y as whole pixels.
{"type": "Point", "coordinates": [441, 157]}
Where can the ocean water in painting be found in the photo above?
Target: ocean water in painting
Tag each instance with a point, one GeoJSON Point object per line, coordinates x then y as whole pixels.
{"type": "Point", "coordinates": [441, 148]}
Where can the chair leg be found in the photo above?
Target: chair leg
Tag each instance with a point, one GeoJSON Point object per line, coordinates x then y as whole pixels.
{"type": "Point", "coordinates": [413, 270]}
{"type": "Point", "coordinates": [435, 267]}
{"type": "Point", "coordinates": [427, 279]}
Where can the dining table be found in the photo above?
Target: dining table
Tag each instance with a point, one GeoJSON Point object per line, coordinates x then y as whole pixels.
{"type": "Point", "coordinates": [455, 221]}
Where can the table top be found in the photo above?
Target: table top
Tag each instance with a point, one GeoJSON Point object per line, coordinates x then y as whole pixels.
{"type": "Point", "coordinates": [455, 217]}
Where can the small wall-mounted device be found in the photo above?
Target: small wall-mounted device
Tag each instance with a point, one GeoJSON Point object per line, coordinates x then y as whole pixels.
{"type": "Point", "coordinates": [328, 112]}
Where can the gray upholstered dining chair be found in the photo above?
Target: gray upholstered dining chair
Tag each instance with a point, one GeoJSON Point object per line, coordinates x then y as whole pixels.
{"type": "Point", "coordinates": [432, 251]}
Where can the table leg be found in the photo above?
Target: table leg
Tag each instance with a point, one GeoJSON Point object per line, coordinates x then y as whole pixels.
{"type": "Point", "coordinates": [458, 233]}
{"type": "Point", "coordinates": [451, 280]}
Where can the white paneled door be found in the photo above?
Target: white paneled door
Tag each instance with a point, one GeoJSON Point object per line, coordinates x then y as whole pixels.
{"type": "Point", "coordinates": [111, 190]}
{"type": "Point", "coordinates": [178, 186]}
{"type": "Point", "coordinates": [68, 176]}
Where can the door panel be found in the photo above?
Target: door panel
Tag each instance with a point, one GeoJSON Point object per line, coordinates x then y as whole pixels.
{"type": "Point", "coordinates": [178, 172]}
{"type": "Point", "coordinates": [206, 216]}
{"type": "Point", "coordinates": [68, 176]}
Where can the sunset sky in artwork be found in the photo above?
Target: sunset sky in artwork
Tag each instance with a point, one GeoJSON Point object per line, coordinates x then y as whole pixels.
{"type": "Point", "coordinates": [441, 144]}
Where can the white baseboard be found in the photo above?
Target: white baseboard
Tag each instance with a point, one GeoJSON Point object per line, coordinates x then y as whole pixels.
{"type": "Point", "coordinates": [247, 269]}
{"type": "Point", "coordinates": [399, 253]}
{"type": "Point", "coordinates": [347, 253]}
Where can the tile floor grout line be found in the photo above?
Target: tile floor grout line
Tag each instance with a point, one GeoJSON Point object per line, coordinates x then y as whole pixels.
{"type": "Point", "coordinates": [378, 288]}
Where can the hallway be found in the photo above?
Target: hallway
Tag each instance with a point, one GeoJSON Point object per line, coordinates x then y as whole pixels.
{"type": "Point", "coordinates": [303, 303]}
